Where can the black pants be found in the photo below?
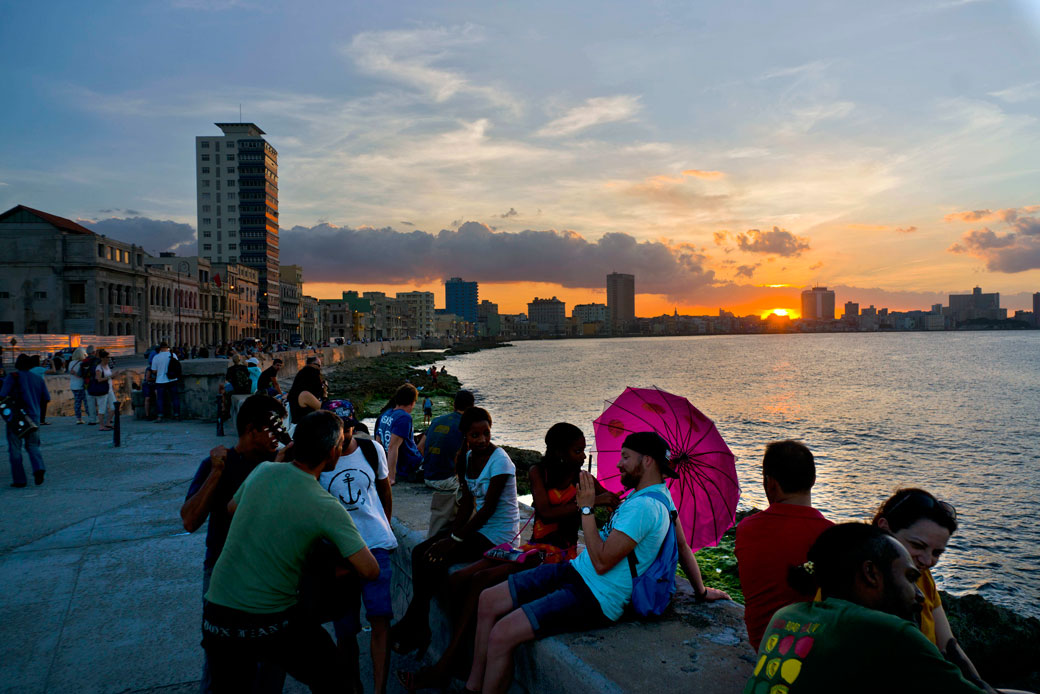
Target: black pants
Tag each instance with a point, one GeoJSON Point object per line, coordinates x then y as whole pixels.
{"type": "Point", "coordinates": [428, 576]}
{"type": "Point", "coordinates": [237, 642]}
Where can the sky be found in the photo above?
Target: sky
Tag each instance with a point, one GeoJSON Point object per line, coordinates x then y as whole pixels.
{"type": "Point", "coordinates": [727, 154]}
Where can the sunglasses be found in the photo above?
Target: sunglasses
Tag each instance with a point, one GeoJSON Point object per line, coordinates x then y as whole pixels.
{"type": "Point", "coordinates": [929, 502]}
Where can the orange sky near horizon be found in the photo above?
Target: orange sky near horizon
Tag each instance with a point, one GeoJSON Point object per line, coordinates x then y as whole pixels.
{"type": "Point", "coordinates": [512, 297]}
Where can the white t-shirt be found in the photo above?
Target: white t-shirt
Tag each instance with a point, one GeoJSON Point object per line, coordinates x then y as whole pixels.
{"type": "Point", "coordinates": [160, 364]}
{"type": "Point", "coordinates": [504, 523]}
{"type": "Point", "coordinates": [353, 482]}
{"type": "Point", "coordinates": [645, 520]}
{"type": "Point", "coordinates": [75, 379]}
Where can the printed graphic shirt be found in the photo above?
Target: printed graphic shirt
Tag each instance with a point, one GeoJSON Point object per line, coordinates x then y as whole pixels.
{"type": "Point", "coordinates": [838, 646]}
{"type": "Point", "coordinates": [645, 520]}
{"type": "Point", "coordinates": [398, 422]}
{"type": "Point", "coordinates": [353, 482]}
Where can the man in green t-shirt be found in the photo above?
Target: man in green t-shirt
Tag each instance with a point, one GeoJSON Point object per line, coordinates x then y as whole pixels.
{"type": "Point", "coordinates": [280, 512]}
{"type": "Point", "coordinates": [859, 637]}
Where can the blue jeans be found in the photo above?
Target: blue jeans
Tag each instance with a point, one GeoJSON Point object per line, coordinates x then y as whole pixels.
{"type": "Point", "coordinates": [82, 403]}
{"type": "Point", "coordinates": [161, 389]}
{"type": "Point", "coordinates": [14, 452]}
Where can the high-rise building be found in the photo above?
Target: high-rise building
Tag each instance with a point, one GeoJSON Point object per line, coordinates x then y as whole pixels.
{"type": "Point", "coordinates": [549, 315]}
{"type": "Point", "coordinates": [461, 298]}
{"type": "Point", "coordinates": [964, 307]}
{"type": "Point", "coordinates": [1036, 309]}
{"type": "Point", "coordinates": [291, 295]}
{"type": "Point", "coordinates": [237, 198]}
{"type": "Point", "coordinates": [818, 304]}
{"type": "Point", "coordinates": [621, 300]}
{"type": "Point", "coordinates": [419, 321]}
{"type": "Point", "coordinates": [590, 313]}
{"type": "Point", "coordinates": [851, 310]}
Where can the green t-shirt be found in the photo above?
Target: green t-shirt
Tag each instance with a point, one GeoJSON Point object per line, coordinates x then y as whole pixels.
{"type": "Point", "coordinates": [282, 511]}
{"type": "Point", "coordinates": [838, 646]}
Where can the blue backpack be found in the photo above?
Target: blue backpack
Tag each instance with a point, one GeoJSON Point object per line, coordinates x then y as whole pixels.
{"type": "Point", "coordinates": [652, 591]}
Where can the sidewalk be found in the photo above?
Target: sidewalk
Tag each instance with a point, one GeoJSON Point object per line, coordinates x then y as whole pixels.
{"type": "Point", "coordinates": [102, 586]}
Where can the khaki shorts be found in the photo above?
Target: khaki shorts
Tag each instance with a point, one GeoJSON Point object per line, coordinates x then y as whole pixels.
{"type": "Point", "coordinates": [444, 504]}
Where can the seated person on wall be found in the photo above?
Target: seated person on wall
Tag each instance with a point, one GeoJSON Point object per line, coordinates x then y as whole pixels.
{"type": "Point", "coordinates": [779, 537]}
{"type": "Point", "coordinates": [861, 636]}
{"type": "Point", "coordinates": [251, 613]}
{"type": "Point", "coordinates": [592, 590]}
{"type": "Point", "coordinates": [923, 525]}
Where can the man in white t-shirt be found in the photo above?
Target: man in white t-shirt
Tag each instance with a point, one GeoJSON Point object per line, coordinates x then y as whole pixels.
{"type": "Point", "coordinates": [592, 590]}
{"type": "Point", "coordinates": [361, 482]}
{"type": "Point", "coordinates": [164, 384]}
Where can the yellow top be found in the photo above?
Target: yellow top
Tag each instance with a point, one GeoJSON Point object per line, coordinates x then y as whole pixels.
{"type": "Point", "coordinates": [931, 600]}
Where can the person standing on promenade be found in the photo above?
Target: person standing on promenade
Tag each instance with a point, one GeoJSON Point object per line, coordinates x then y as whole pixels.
{"type": "Point", "coordinates": [860, 638]}
{"type": "Point", "coordinates": [100, 390]}
{"type": "Point", "coordinates": [488, 516]}
{"type": "Point", "coordinates": [279, 514]}
{"type": "Point", "coordinates": [592, 590]}
{"type": "Point", "coordinates": [253, 366]}
{"type": "Point", "coordinates": [215, 483]}
{"type": "Point", "coordinates": [33, 394]}
{"type": "Point", "coordinates": [166, 382]}
{"type": "Point", "coordinates": [360, 482]}
{"type": "Point", "coordinates": [76, 385]}
{"type": "Point", "coordinates": [395, 432]}
{"type": "Point", "coordinates": [770, 542]}
{"type": "Point", "coordinates": [440, 445]}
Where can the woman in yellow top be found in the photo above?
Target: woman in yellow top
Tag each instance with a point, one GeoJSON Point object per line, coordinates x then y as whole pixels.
{"type": "Point", "coordinates": [923, 525]}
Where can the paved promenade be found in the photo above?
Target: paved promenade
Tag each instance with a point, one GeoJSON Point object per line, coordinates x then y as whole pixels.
{"type": "Point", "coordinates": [102, 586]}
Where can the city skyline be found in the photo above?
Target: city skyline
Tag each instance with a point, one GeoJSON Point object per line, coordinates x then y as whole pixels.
{"type": "Point", "coordinates": [885, 152]}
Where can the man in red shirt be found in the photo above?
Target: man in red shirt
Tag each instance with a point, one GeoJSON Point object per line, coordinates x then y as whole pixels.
{"type": "Point", "coordinates": [771, 541]}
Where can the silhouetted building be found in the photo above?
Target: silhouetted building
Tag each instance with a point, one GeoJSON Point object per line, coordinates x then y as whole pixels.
{"type": "Point", "coordinates": [965, 307]}
{"type": "Point", "coordinates": [621, 300]}
{"type": "Point", "coordinates": [1036, 309]}
{"type": "Point", "coordinates": [461, 299]}
{"type": "Point", "coordinates": [590, 313]}
{"type": "Point", "coordinates": [818, 304]}
{"type": "Point", "coordinates": [549, 315]}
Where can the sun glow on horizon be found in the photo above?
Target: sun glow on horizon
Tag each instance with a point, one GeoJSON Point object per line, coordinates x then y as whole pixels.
{"type": "Point", "coordinates": [780, 312]}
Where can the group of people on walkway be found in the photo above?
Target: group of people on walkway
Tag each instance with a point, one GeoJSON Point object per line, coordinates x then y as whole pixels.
{"type": "Point", "coordinates": [299, 536]}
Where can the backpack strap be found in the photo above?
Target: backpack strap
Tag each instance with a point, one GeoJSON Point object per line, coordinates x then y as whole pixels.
{"type": "Point", "coordinates": [368, 449]}
{"type": "Point", "coordinates": [672, 515]}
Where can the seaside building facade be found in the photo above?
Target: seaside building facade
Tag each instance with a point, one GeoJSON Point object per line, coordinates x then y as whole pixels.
{"type": "Point", "coordinates": [818, 304]}
{"type": "Point", "coordinates": [461, 298]}
{"type": "Point", "coordinates": [965, 307]}
{"type": "Point", "coordinates": [590, 313]}
{"type": "Point", "coordinates": [547, 316]}
{"type": "Point", "coordinates": [621, 301]}
{"type": "Point", "coordinates": [1036, 309]}
{"type": "Point", "coordinates": [489, 323]}
{"type": "Point", "coordinates": [237, 209]}
{"type": "Point", "coordinates": [291, 295]}
{"type": "Point", "coordinates": [420, 308]}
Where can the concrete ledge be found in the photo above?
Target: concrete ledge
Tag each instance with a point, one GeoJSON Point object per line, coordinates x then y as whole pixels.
{"type": "Point", "coordinates": [694, 647]}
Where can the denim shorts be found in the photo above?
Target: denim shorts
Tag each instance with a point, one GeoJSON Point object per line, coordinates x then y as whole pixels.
{"type": "Point", "coordinates": [376, 596]}
{"type": "Point", "coordinates": [556, 600]}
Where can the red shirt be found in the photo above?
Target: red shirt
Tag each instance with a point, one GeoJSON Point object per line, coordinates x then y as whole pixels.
{"type": "Point", "coordinates": [768, 543]}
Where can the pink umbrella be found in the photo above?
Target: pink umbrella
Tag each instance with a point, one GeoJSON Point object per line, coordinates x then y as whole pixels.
{"type": "Point", "coordinates": [706, 491]}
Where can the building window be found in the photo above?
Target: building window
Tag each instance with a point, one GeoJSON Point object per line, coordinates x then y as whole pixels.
{"type": "Point", "coordinates": [230, 208]}
{"type": "Point", "coordinates": [207, 220]}
{"type": "Point", "coordinates": [232, 233]}
{"type": "Point", "coordinates": [231, 184]}
{"type": "Point", "coordinates": [205, 196]}
{"type": "Point", "coordinates": [232, 259]}
{"type": "Point", "coordinates": [231, 169]}
{"type": "Point", "coordinates": [205, 208]}
{"type": "Point", "coordinates": [140, 260]}
{"type": "Point", "coordinates": [205, 144]}
{"type": "Point", "coordinates": [205, 169]}
{"type": "Point", "coordinates": [101, 250]}
{"type": "Point", "coordinates": [207, 246]}
{"type": "Point", "coordinates": [207, 234]}
{"type": "Point", "coordinates": [205, 157]}
{"type": "Point", "coordinates": [230, 196]}
{"type": "Point", "coordinates": [231, 157]}
{"type": "Point", "coordinates": [39, 295]}
{"type": "Point", "coordinates": [77, 293]}
{"type": "Point", "coordinates": [205, 183]}
{"type": "Point", "coordinates": [232, 247]}
{"type": "Point", "coordinates": [216, 146]}
{"type": "Point", "coordinates": [110, 253]}
{"type": "Point", "coordinates": [5, 295]}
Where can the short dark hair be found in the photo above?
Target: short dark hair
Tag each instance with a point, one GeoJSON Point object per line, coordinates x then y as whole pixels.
{"type": "Point", "coordinates": [311, 360]}
{"type": "Point", "coordinates": [791, 464]}
{"type": "Point", "coordinates": [837, 556]}
{"type": "Point", "coordinates": [472, 416]}
{"type": "Point", "coordinates": [315, 436]}
{"type": "Point", "coordinates": [406, 395]}
{"type": "Point", "coordinates": [907, 506]}
{"type": "Point", "coordinates": [164, 343]}
{"type": "Point", "coordinates": [463, 400]}
{"type": "Point", "coordinates": [257, 410]}
{"type": "Point", "coordinates": [276, 361]}
{"type": "Point", "coordinates": [23, 362]}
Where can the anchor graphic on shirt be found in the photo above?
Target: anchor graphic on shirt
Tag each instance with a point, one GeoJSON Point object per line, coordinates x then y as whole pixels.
{"type": "Point", "coordinates": [354, 497]}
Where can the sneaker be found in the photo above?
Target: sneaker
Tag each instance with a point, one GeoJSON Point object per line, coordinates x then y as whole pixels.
{"type": "Point", "coordinates": [38, 477]}
{"type": "Point", "coordinates": [79, 421]}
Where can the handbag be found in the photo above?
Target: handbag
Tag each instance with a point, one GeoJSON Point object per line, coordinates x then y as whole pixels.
{"type": "Point", "coordinates": [96, 387]}
{"type": "Point", "coordinates": [14, 414]}
{"type": "Point", "coordinates": [505, 552]}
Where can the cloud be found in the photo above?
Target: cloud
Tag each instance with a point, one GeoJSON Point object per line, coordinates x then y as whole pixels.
{"type": "Point", "coordinates": [970, 216]}
{"type": "Point", "coordinates": [868, 227]}
{"type": "Point", "coordinates": [411, 57]}
{"type": "Point", "coordinates": [476, 252]}
{"type": "Point", "coordinates": [906, 230]}
{"type": "Point", "coordinates": [511, 213]}
{"type": "Point", "coordinates": [816, 266]}
{"type": "Point", "coordinates": [153, 235]}
{"type": "Point", "coordinates": [1018, 93]}
{"type": "Point", "coordinates": [706, 175]}
{"type": "Point", "coordinates": [595, 111]}
{"type": "Point", "coordinates": [673, 191]}
{"type": "Point", "coordinates": [778, 242]}
{"type": "Point", "coordinates": [721, 237]}
{"type": "Point", "coordinates": [408, 224]}
{"type": "Point", "coordinates": [747, 270]}
{"type": "Point", "coordinates": [1016, 250]}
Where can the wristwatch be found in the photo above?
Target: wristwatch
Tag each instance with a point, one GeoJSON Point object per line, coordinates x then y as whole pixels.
{"type": "Point", "coordinates": [586, 510]}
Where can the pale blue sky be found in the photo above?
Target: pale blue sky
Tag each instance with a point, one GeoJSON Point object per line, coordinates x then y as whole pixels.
{"type": "Point", "coordinates": [837, 122]}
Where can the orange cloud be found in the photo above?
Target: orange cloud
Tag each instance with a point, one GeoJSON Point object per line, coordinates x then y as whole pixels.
{"type": "Point", "coordinates": [673, 191]}
{"type": "Point", "coordinates": [706, 175]}
{"type": "Point", "coordinates": [971, 216]}
{"type": "Point", "coordinates": [906, 230]}
{"type": "Point", "coordinates": [868, 227]}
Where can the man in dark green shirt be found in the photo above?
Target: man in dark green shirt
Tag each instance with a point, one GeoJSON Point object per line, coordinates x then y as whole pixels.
{"type": "Point", "coordinates": [859, 637]}
{"type": "Point", "coordinates": [280, 513]}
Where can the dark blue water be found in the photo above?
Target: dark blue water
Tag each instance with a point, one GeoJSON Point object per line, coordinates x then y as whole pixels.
{"type": "Point", "coordinates": [955, 413]}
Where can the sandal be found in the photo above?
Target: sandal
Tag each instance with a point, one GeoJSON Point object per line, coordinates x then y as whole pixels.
{"type": "Point", "coordinates": [414, 640]}
{"type": "Point", "coordinates": [424, 678]}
